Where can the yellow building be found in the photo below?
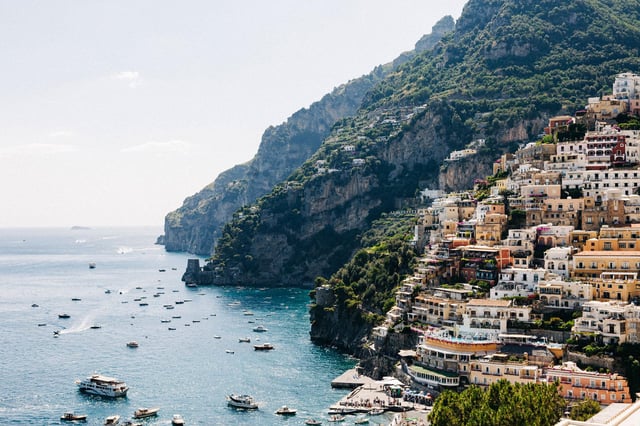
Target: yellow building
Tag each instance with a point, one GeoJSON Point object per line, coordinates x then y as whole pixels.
{"type": "Point", "coordinates": [592, 263]}
{"type": "Point", "coordinates": [493, 368]}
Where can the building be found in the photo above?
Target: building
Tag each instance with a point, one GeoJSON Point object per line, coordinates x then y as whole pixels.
{"type": "Point", "coordinates": [577, 384]}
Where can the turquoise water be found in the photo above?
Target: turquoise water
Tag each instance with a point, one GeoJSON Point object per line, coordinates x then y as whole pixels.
{"type": "Point", "coordinates": [188, 370]}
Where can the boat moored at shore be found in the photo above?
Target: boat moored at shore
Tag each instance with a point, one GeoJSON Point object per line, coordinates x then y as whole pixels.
{"type": "Point", "coordinates": [70, 416]}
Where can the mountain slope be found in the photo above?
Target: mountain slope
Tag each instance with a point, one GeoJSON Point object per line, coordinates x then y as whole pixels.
{"type": "Point", "coordinates": [196, 225]}
{"type": "Point", "coordinates": [508, 66]}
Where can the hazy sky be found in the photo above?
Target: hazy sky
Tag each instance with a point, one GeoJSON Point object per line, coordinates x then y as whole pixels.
{"type": "Point", "coordinates": [112, 112]}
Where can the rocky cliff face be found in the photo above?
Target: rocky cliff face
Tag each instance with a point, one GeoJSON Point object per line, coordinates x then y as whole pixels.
{"type": "Point", "coordinates": [196, 225]}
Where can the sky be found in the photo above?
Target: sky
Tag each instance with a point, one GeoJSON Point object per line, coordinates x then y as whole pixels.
{"type": "Point", "coordinates": [113, 112]}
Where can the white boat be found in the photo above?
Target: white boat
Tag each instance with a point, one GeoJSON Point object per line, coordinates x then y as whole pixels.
{"type": "Point", "coordinates": [177, 420]}
{"type": "Point", "coordinates": [98, 384]}
{"type": "Point", "coordinates": [132, 344]}
{"type": "Point", "coordinates": [286, 411]}
{"type": "Point", "coordinates": [312, 422]}
{"type": "Point", "coordinates": [263, 347]}
{"type": "Point", "coordinates": [336, 418]}
{"type": "Point", "coordinates": [70, 416]}
{"type": "Point", "coordinates": [376, 411]}
{"type": "Point", "coordinates": [244, 340]}
{"type": "Point", "coordinates": [260, 328]}
{"type": "Point", "coordinates": [143, 413]}
{"type": "Point", "coordinates": [112, 420]}
{"type": "Point", "coordinates": [241, 401]}
{"type": "Point", "coordinates": [362, 421]}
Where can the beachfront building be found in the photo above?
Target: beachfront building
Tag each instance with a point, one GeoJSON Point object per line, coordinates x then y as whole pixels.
{"type": "Point", "coordinates": [443, 359]}
{"type": "Point", "coordinates": [577, 384]}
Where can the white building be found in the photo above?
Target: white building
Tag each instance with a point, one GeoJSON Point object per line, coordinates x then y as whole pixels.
{"type": "Point", "coordinates": [517, 282]}
{"type": "Point", "coordinates": [564, 294]}
{"type": "Point", "coordinates": [559, 260]}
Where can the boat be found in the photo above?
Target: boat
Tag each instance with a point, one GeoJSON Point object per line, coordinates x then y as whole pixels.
{"type": "Point", "coordinates": [179, 302]}
{"type": "Point", "coordinates": [260, 329]}
{"type": "Point", "coordinates": [336, 418]}
{"type": "Point", "coordinates": [75, 299]}
{"type": "Point", "coordinates": [263, 347]}
{"type": "Point", "coordinates": [64, 316]}
{"type": "Point", "coordinates": [92, 265]}
{"type": "Point", "coordinates": [112, 420]}
{"type": "Point", "coordinates": [376, 411]}
{"type": "Point", "coordinates": [35, 305]}
{"type": "Point", "coordinates": [130, 423]}
{"type": "Point", "coordinates": [286, 411]}
{"type": "Point", "coordinates": [244, 340]}
{"type": "Point", "coordinates": [191, 285]}
{"type": "Point", "coordinates": [95, 327]}
{"type": "Point", "coordinates": [229, 351]}
{"type": "Point", "coordinates": [98, 384]}
{"type": "Point", "coordinates": [143, 413]}
{"type": "Point", "coordinates": [132, 344]}
{"type": "Point", "coordinates": [42, 324]}
{"type": "Point", "coordinates": [176, 317]}
{"type": "Point", "coordinates": [107, 291]}
{"type": "Point", "coordinates": [177, 420]}
{"type": "Point", "coordinates": [144, 304]}
{"type": "Point", "coordinates": [172, 328]}
{"type": "Point", "coordinates": [162, 270]}
{"type": "Point", "coordinates": [165, 320]}
{"type": "Point", "coordinates": [312, 422]}
{"type": "Point", "coordinates": [217, 337]}
{"type": "Point", "coordinates": [241, 401]}
{"type": "Point", "coordinates": [70, 416]}
{"type": "Point", "coordinates": [362, 421]}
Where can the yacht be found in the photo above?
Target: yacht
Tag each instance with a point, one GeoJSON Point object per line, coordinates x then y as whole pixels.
{"type": "Point", "coordinates": [260, 328]}
{"type": "Point", "coordinates": [263, 347]}
{"type": "Point", "coordinates": [132, 344]}
{"type": "Point", "coordinates": [143, 413]}
{"type": "Point", "coordinates": [112, 420]}
{"type": "Point", "coordinates": [286, 411]}
{"type": "Point", "coordinates": [98, 384]}
{"type": "Point", "coordinates": [72, 417]}
{"type": "Point", "coordinates": [177, 420]}
{"type": "Point", "coordinates": [241, 401]}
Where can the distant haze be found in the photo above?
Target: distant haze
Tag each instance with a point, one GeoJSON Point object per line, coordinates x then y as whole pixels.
{"type": "Point", "coordinates": [113, 112]}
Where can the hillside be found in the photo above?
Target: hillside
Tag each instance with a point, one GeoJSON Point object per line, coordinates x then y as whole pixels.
{"type": "Point", "coordinates": [508, 66]}
{"type": "Point", "coordinates": [196, 225]}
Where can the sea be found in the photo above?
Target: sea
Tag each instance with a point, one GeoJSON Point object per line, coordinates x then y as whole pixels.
{"type": "Point", "coordinates": [189, 357]}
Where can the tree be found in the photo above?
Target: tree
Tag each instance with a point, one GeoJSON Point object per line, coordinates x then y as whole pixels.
{"type": "Point", "coordinates": [585, 410]}
{"type": "Point", "coordinates": [503, 404]}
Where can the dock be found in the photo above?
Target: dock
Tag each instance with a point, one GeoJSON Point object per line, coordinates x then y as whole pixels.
{"type": "Point", "coordinates": [350, 379]}
{"type": "Point", "coordinates": [369, 394]}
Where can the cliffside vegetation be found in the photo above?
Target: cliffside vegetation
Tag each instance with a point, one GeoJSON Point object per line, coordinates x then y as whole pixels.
{"type": "Point", "coordinates": [364, 288]}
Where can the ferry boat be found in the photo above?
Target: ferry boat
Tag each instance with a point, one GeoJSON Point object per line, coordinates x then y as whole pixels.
{"type": "Point", "coordinates": [241, 401]}
{"type": "Point", "coordinates": [143, 413]}
{"type": "Point", "coordinates": [98, 384]}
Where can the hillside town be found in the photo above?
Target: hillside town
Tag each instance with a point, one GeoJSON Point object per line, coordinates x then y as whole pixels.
{"type": "Point", "coordinates": [544, 253]}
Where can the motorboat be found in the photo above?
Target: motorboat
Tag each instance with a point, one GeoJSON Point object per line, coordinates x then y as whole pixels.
{"type": "Point", "coordinates": [244, 340]}
{"type": "Point", "coordinates": [92, 265]}
{"type": "Point", "coordinates": [376, 411]}
{"type": "Point", "coordinates": [312, 422]}
{"type": "Point", "coordinates": [70, 416]}
{"type": "Point", "coordinates": [286, 411]}
{"type": "Point", "coordinates": [362, 421]}
{"type": "Point", "coordinates": [336, 418]}
{"type": "Point", "coordinates": [177, 420]}
{"type": "Point", "coordinates": [143, 413]}
{"type": "Point", "coordinates": [112, 420]}
{"type": "Point", "coordinates": [229, 351]}
{"type": "Point", "coordinates": [241, 401]}
{"type": "Point", "coordinates": [95, 327]}
{"type": "Point", "coordinates": [132, 344]}
{"type": "Point", "coordinates": [64, 316]}
{"type": "Point", "coordinates": [264, 347]}
{"type": "Point", "coordinates": [75, 299]}
{"type": "Point", "coordinates": [98, 384]}
{"type": "Point", "coordinates": [260, 329]}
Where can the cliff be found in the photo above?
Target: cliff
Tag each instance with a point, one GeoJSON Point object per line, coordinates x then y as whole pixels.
{"type": "Point", "coordinates": [196, 226]}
